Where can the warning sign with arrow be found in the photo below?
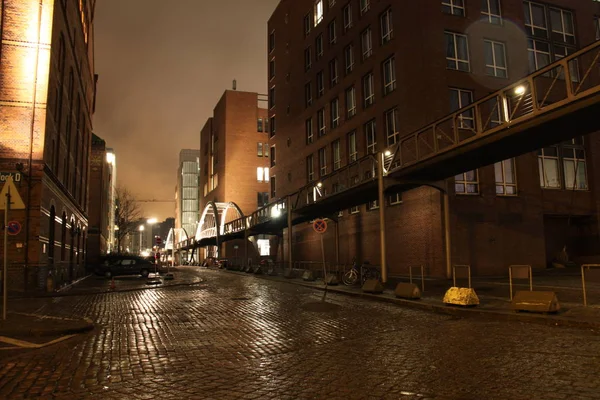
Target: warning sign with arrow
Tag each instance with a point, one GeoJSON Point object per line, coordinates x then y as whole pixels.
{"type": "Point", "coordinates": [9, 188]}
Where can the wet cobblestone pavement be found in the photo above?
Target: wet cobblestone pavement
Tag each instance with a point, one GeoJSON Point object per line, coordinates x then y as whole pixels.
{"type": "Point", "coordinates": [240, 337]}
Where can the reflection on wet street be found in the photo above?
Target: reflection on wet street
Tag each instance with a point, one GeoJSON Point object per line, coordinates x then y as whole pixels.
{"type": "Point", "coordinates": [240, 337]}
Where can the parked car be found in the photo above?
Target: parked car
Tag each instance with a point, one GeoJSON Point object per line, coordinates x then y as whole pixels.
{"type": "Point", "coordinates": [124, 265]}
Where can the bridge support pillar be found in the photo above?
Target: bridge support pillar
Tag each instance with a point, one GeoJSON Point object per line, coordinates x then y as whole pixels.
{"type": "Point", "coordinates": [447, 244]}
{"type": "Point", "coordinates": [289, 238]}
{"type": "Point", "coordinates": [382, 217]}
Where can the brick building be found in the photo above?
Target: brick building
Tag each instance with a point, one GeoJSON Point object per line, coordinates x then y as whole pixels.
{"type": "Point", "coordinates": [351, 77]}
{"type": "Point", "coordinates": [235, 156]}
{"type": "Point", "coordinates": [101, 199]}
{"type": "Point", "coordinates": [47, 88]}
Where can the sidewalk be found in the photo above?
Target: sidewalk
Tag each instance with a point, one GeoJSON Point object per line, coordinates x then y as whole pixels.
{"type": "Point", "coordinates": [493, 293]}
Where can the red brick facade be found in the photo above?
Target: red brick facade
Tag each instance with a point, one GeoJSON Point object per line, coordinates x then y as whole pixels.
{"type": "Point", "coordinates": [488, 231]}
{"type": "Point", "coordinates": [47, 88]}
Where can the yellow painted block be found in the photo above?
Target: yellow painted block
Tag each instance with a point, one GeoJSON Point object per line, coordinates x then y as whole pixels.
{"type": "Point", "coordinates": [461, 297]}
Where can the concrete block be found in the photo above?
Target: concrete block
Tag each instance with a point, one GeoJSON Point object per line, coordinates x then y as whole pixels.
{"type": "Point", "coordinates": [332, 280]}
{"type": "Point", "coordinates": [461, 297]}
{"type": "Point", "coordinates": [372, 286]}
{"type": "Point", "coordinates": [536, 301]}
{"type": "Point", "coordinates": [408, 291]}
{"type": "Point", "coordinates": [308, 276]}
{"type": "Point", "coordinates": [288, 273]}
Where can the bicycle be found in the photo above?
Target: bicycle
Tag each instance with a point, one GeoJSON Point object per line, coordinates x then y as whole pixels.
{"type": "Point", "coordinates": [351, 277]}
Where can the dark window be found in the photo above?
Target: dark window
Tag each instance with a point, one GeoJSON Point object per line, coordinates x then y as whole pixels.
{"type": "Point", "coordinates": [262, 199]}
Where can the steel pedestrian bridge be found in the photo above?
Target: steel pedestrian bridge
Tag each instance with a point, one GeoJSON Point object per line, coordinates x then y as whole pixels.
{"type": "Point", "coordinates": [554, 104]}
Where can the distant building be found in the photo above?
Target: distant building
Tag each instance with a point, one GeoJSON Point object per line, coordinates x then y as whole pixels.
{"type": "Point", "coordinates": [236, 157]}
{"type": "Point", "coordinates": [47, 91]}
{"type": "Point", "coordinates": [101, 200]}
{"type": "Point", "coordinates": [349, 78]}
{"type": "Point", "coordinates": [187, 191]}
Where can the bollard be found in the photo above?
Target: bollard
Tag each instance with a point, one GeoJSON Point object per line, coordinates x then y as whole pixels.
{"type": "Point", "coordinates": [461, 297]}
{"type": "Point", "coordinates": [535, 301]}
{"type": "Point", "coordinates": [308, 276]}
{"type": "Point", "coordinates": [407, 291]}
{"type": "Point", "coordinates": [372, 286]}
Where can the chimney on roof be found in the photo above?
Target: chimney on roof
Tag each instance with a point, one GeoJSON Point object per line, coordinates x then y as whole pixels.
{"type": "Point", "coordinates": [234, 84]}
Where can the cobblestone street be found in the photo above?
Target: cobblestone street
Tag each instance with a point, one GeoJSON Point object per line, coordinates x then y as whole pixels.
{"type": "Point", "coordinates": [241, 337]}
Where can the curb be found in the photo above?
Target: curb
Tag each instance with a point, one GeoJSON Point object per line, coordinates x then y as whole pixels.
{"type": "Point", "coordinates": [542, 319]}
{"type": "Point", "coordinates": [87, 326]}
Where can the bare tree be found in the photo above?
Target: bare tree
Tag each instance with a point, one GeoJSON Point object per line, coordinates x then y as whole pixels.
{"type": "Point", "coordinates": [127, 214]}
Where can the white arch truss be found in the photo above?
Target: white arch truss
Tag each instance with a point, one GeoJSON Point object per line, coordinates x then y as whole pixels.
{"type": "Point", "coordinates": [176, 235]}
{"type": "Point", "coordinates": [214, 217]}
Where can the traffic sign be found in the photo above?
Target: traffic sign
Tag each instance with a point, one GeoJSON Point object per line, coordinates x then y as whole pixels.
{"type": "Point", "coordinates": [14, 228]}
{"type": "Point", "coordinates": [319, 225]}
{"type": "Point", "coordinates": [16, 203]}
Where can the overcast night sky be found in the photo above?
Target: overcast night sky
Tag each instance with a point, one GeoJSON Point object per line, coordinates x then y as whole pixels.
{"type": "Point", "coordinates": [162, 67]}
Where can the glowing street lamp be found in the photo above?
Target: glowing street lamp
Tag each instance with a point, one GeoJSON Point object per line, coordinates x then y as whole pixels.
{"type": "Point", "coordinates": [519, 90]}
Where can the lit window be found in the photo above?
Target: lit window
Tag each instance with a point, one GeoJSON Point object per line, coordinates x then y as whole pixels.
{"type": "Point", "coordinates": [491, 10]}
{"type": "Point", "coordinates": [460, 98]}
{"type": "Point", "coordinates": [457, 51]}
{"type": "Point", "coordinates": [262, 174]}
{"type": "Point", "coordinates": [495, 59]}
{"type": "Point", "coordinates": [318, 12]}
{"type": "Point", "coordinates": [367, 43]}
{"type": "Point", "coordinates": [371, 137]}
{"type": "Point", "coordinates": [259, 151]}
{"type": "Point", "coordinates": [391, 126]}
{"type": "Point", "coordinates": [387, 29]}
{"type": "Point", "coordinates": [454, 7]}
{"type": "Point", "coordinates": [389, 75]}
{"type": "Point", "coordinates": [466, 183]}
{"type": "Point", "coordinates": [506, 182]}
{"type": "Point", "coordinates": [368, 90]}
{"type": "Point", "coordinates": [350, 102]}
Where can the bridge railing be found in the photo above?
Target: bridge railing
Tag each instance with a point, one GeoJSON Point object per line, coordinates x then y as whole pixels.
{"type": "Point", "coordinates": [566, 80]}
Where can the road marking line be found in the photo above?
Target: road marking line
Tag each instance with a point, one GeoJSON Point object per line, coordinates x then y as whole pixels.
{"type": "Point", "coordinates": [29, 345]}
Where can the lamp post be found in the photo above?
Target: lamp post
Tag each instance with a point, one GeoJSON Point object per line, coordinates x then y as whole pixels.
{"type": "Point", "coordinates": [141, 228]}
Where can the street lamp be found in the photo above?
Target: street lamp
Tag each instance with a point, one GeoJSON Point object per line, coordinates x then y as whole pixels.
{"type": "Point", "coordinates": [141, 228]}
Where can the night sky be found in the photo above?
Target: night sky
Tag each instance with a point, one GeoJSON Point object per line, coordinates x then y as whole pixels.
{"type": "Point", "coordinates": [162, 67]}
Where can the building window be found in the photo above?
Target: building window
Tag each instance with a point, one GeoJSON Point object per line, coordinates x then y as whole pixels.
{"type": "Point", "coordinates": [334, 111]}
{"type": "Point", "coordinates": [262, 199]}
{"type": "Point", "coordinates": [318, 12]}
{"type": "Point", "coordinates": [396, 198]}
{"type": "Point", "coordinates": [506, 180]}
{"type": "Point", "coordinates": [350, 102]}
{"type": "Point", "coordinates": [367, 43]}
{"type": "Point", "coordinates": [262, 174]}
{"type": "Point", "coordinates": [271, 69]}
{"type": "Point", "coordinates": [548, 167]}
{"type": "Point", "coordinates": [535, 19]}
{"type": "Point", "coordinates": [331, 4]}
{"type": "Point", "coordinates": [391, 126]}
{"type": "Point", "coordinates": [457, 51]}
{"type": "Point", "coordinates": [349, 58]}
{"type": "Point", "coordinates": [319, 46]}
{"type": "Point", "coordinates": [467, 183]}
{"type": "Point", "coordinates": [310, 172]}
{"type": "Point", "coordinates": [347, 12]}
{"type": "Point", "coordinates": [364, 6]}
{"type": "Point", "coordinates": [539, 54]}
{"type": "Point", "coordinates": [273, 160]}
{"type": "Point", "coordinates": [308, 94]}
{"type": "Point", "coordinates": [332, 33]}
{"type": "Point", "coordinates": [308, 125]}
{"type": "Point", "coordinates": [266, 150]}
{"type": "Point", "coordinates": [272, 97]}
{"type": "Point", "coordinates": [271, 42]}
{"type": "Point", "coordinates": [354, 210]}
{"type": "Point", "coordinates": [273, 186]}
{"type": "Point", "coordinates": [307, 59]}
{"type": "Point", "coordinates": [563, 28]}
{"type": "Point", "coordinates": [387, 29]}
{"type": "Point", "coordinates": [320, 84]}
{"type": "Point", "coordinates": [495, 59]}
{"type": "Point", "coordinates": [574, 168]}
{"type": "Point", "coordinates": [352, 149]}
{"type": "Point", "coordinates": [336, 154]}
{"type": "Point", "coordinates": [490, 9]}
{"type": "Point", "coordinates": [460, 98]}
{"type": "Point", "coordinates": [368, 90]}
{"type": "Point", "coordinates": [259, 125]}
{"type": "Point", "coordinates": [333, 72]}
{"type": "Point", "coordinates": [259, 151]}
{"type": "Point", "coordinates": [454, 7]}
{"type": "Point", "coordinates": [322, 162]}
{"type": "Point", "coordinates": [597, 26]}
{"type": "Point", "coordinates": [389, 75]}
{"type": "Point", "coordinates": [321, 121]}
{"type": "Point", "coordinates": [371, 138]}
{"type": "Point", "coordinates": [272, 127]}
{"type": "Point", "coordinates": [307, 25]}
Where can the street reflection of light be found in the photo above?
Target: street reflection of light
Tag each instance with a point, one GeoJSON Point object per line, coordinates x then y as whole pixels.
{"type": "Point", "coordinates": [519, 90]}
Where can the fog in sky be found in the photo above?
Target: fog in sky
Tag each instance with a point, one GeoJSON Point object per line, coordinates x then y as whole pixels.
{"type": "Point", "coordinates": [162, 67]}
